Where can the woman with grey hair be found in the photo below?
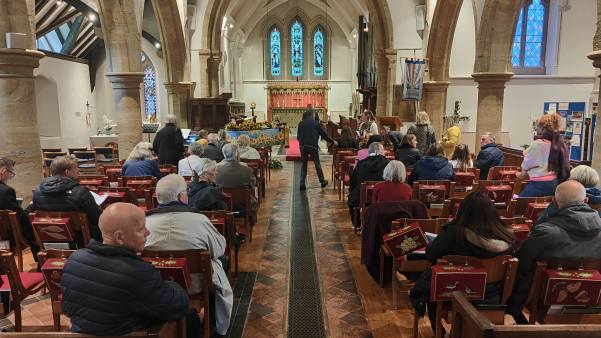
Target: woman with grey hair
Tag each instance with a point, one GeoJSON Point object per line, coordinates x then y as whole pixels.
{"type": "Point", "coordinates": [202, 192]}
{"type": "Point", "coordinates": [394, 188]}
{"type": "Point", "coordinates": [141, 162]}
{"type": "Point", "coordinates": [184, 167]}
{"type": "Point", "coordinates": [246, 151]}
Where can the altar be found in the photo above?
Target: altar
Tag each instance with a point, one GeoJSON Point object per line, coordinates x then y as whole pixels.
{"type": "Point", "coordinates": [287, 101]}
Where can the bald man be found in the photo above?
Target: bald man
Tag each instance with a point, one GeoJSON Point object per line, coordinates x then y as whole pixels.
{"type": "Point", "coordinates": [574, 232]}
{"type": "Point", "coordinates": [110, 291]}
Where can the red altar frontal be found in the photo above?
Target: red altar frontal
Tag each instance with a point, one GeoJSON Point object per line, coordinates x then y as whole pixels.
{"type": "Point", "coordinates": [287, 101]}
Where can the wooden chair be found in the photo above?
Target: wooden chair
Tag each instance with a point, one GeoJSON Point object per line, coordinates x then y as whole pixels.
{"type": "Point", "coordinates": [20, 284]}
{"type": "Point", "coordinates": [10, 228]}
{"type": "Point", "coordinates": [241, 198]}
{"type": "Point", "coordinates": [468, 322]}
{"type": "Point", "coordinates": [223, 220]}
{"type": "Point", "coordinates": [150, 198]}
{"type": "Point", "coordinates": [129, 195]}
{"type": "Point", "coordinates": [518, 206]}
{"type": "Point", "coordinates": [55, 294]}
{"type": "Point", "coordinates": [259, 169]}
{"type": "Point", "coordinates": [404, 266]}
{"type": "Point", "coordinates": [78, 222]}
{"type": "Point", "coordinates": [450, 207]}
{"type": "Point", "coordinates": [365, 198]}
{"type": "Point", "coordinates": [138, 184]}
{"type": "Point", "coordinates": [434, 209]}
{"type": "Point", "coordinates": [115, 147]}
{"type": "Point", "coordinates": [73, 150]}
{"type": "Point", "coordinates": [93, 182]}
{"type": "Point", "coordinates": [86, 160]}
{"type": "Point", "coordinates": [199, 262]}
{"type": "Point", "coordinates": [265, 153]}
{"type": "Point", "coordinates": [112, 171]}
{"type": "Point", "coordinates": [167, 169]}
{"type": "Point", "coordinates": [344, 172]}
{"type": "Point", "coordinates": [463, 184]}
{"type": "Point", "coordinates": [494, 175]}
{"type": "Point", "coordinates": [51, 150]}
{"type": "Point", "coordinates": [105, 155]}
{"type": "Point", "coordinates": [569, 314]}
{"type": "Point", "coordinates": [53, 154]}
{"type": "Point", "coordinates": [337, 157]}
{"type": "Point", "coordinates": [500, 269]}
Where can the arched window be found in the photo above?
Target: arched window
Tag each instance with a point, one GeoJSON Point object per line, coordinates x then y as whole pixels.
{"type": "Point", "coordinates": [318, 52]}
{"type": "Point", "coordinates": [528, 52]}
{"type": "Point", "coordinates": [296, 50]}
{"type": "Point", "coordinates": [275, 49]}
{"type": "Point", "coordinates": [150, 89]}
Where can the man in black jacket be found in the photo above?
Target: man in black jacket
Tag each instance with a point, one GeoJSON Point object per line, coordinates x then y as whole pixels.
{"type": "Point", "coordinates": [308, 134]}
{"type": "Point", "coordinates": [62, 192]}
{"type": "Point", "coordinates": [573, 232]}
{"type": "Point", "coordinates": [110, 291]}
{"type": "Point", "coordinates": [8, 201]}
{"type": "Point", "coordinates": [213, 150]}
{"type": "Point", "coordinates": [169, 143]}
{"type": "Point", "coordinates": [489, 156]}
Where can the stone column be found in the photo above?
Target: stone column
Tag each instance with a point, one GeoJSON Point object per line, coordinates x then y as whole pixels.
{"type": "Point", "coordinates": [434, 102]}
{"type": "Point", "coordinates": [596, 163]}
{"type": "Point", "coordinates": [382, 81]}
{"type": "Point", "coordinates": [204, 56]}
{"type": "Point", "coordinates": [213, 66]}
{"type": "Point", "coordinates": [391, 56]}
{"type": "Point", "coordinates": [126, 93]}
{"type": "Point", "coordinates": [491, 90]}
{"type": "Point", "coordinates": [179, 94]}
{"type": "Point", "coordinates": [19, 134]}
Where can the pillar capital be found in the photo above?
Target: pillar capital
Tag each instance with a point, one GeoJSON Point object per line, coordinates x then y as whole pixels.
{"type": "Point", "coordinates": [492, 79]}
{"type": "Point", "coordinates": [125, 80]}
{"type": "Point", "coordinates": [596, 58]}
{"type": "Point", "coordinates": [17, 63]}
{"type": "Point", "coordinates": [179, 87]}
{"type": "Point", "coordinates": [436, 86]}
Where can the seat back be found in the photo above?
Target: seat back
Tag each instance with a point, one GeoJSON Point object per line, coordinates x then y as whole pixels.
{"type": "Point", "coordinates": [241, 198]}
{"type": "Point", "coordinates": [365, 193]}
{"type": "Point", "coordinates": [86, 160]}
{"type": "Point", "coordinates": [517, 206]}
{"type": "Point", "coordinates": [448, 185]}
{"type": "Point", "coordinates": [112, 171]}
{"type": "Point", "coordinates": [138, 184]}
{"type": "Point", "coordinates": [427, 225]}
{"type": "Point", "coordinates": [8, 267]}
{"type": "Point", "coordinates": [105, 155]}
{"type": "Point", "coordinates": [494, 173]}
{"type": "Point", "coordinates": [10, 229]}
{"type": "Point", "coordinates": [129, 194]}
{"type": "Point", "coordinates": [78, 221]}
{"type": "Point", "coordinates": [55, 278]}
{"type": "Point", "coordinates": [167, 169]}
{"type": "Point", "coordinates": [93, 182]}
{"type": "Point", "coordinates": [450, 207]}
{"type": "Point", "coordinates": [223, 220]}
{"type": "Point", "coordinates": [150, 198]}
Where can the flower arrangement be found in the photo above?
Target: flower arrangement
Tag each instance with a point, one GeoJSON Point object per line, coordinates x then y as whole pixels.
{"type": "Point", "coordinates": [248, 125]}
{"type": "Point", "coordinates": [275, 164]}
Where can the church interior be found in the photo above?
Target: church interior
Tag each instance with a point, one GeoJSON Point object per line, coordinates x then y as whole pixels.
{"type": "Point", "coordinates": [340, 168]}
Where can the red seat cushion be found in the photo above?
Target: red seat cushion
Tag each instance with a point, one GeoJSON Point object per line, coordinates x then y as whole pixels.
{"type": "Point", "coordinates": [347, 179]}
{"type": "Point", "coordinates": [29, 280]}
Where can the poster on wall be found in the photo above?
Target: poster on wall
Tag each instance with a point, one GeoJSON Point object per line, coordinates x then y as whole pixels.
{"type": "Point", "coordinates": [570, 125]}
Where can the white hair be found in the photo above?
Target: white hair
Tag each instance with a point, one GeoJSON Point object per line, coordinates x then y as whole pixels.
{"type": "Point", "coordinates": [213, 138]}
{"type": "Point", "coordinates": [422, 118]}
{"type": "Point", "coordinates": [375, 148]}
{"type": "Point", "coordinates": [169, 187]}
{"type": "Point", "coordinates": [170, 119]}
{"type": "Point", "coordinates": [395, 172]}
{"type": "Point", "coordinates": [142, 151]}
{"type": "Point", "coordinates": [586, 175]}
{"type": "Point", "coordinates": [196, 148]}
{"type": "Point", "coordinates": [231, 152]}
{"type": "Point", "coordinates": [203, 166]}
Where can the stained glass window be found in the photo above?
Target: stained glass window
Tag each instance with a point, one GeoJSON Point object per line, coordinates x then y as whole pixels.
{"type": "Point", "coordinates": [150, 93]}
{"type": "Point", "coordinates": [318, 52]}
{"type": "Point", "coordinates": [529, 41]}
{"type": "Point", "coordinates": [296, 44]}
{"type": "Point", "coordinates": [274, 47]}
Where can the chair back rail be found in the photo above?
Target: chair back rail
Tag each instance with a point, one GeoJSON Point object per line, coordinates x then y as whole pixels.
{"type": "Point", "coordinates": [78, 221]}
{"type": "Point", "coordinates": [241, 199]}
{"type": "Point", "coordinates": [223, 220]}
{"type": "Point", "coordinates": [10, 229]}
{"type": "Point", "coordinates": [55, 295]}
{"type": "Point", "coordinates": [517, 207]}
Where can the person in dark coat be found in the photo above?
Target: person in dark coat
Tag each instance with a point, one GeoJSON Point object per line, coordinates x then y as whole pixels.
{"type": "Point", "coordinates": [213, 150]}
{"type": "Point", "coordinates": [489, 156]}
{"type": "Point", "coordinates": [476, 231]}
{"type": "Point", "coordinates": [62, 192]}
{"type": "Point", "coordinates": [434, 166]}
{"type": "Point", "coordinates": [347, 140]}
{"type": "Point", "coordinates": [110, 291]}
{"type": "Point", "coordinates": [573, 232]}
{"type": "Point", "coordinates": [408, 152]}
{"type": "Point", "coordinates": [370, 168]}
{"type": "Point", "coordinates": [169, 142]}
{"type": "Point", "coordinates": [309, 131]}
{"type": "Point", "coordinates": [141, 162]}
{"type": "Point", "coordinates": [423, 131]}
{"type": "Point", "coordinates": [8, 201]}
{"type": "Point", "coordinates": [202, 192]}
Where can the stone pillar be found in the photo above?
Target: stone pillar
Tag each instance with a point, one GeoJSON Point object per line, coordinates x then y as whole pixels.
{"type": "Point", "coordinates": [491, 90]}
{"type": "Point", "coordinates": [391, 56]}
{"type": "Point", "coordinates": [179, 94]}
{"type": "Point", "coordinates": [382, 82]}
{"type": "Point", "coordinates": [19, 134]}
{"type": "Point", "coordinates": [596, 163]}
{"type": "Point", "coordinates": [213, 66]}
{"type": "Point", "coordinates": [204, 56]}
{"type": "Point", "coordinates": [434, 102]}
{"type": "Point", "coordinates": [126, 93]}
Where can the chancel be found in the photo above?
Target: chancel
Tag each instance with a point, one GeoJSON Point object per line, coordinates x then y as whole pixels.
{"type": "Point", "coordinates": [156, 168]}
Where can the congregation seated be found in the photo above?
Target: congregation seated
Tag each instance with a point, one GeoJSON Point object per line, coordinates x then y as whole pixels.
{"type": "Point", "coordinates": [476, 231]}
{"type": "Point", "coordinates": [108, 290]}
{"type": "Point", "coordinates": [169, 143]}
{"type": "Point", "coordinates": [212, 150]}
{"type": "Point", "coordinates": [186, 165]}
{"type": "Point", "coordinates": [233, 174]}
{"type": "Point", "coordinates": [141, 162]}
{"type": "Point", "coordinates": [347, 140]}
{"type": "Point", "coordinates": [394, 188]}
{"type": "Point", "coordinates": [246, 151]}
{"type": "Point", "coordinates": [222, 133]}
{"type": "Point", "coordinates": [8, 201]}
{"type": "Point", "coordinates": [203, 135]}
{"type": "Point", "coordinates": [462, 159]}
{"type": "Point", "coordinates": [369, 169]}
{"type": "Point", "coordinates": [61, 192]}
{"type": "Point", "coordinates": [364, 152]}
{"type": "Point", "coordinates": [368, 126]}
{"type": "Point", "coordinates": [573, 232]}
{"type": "Point", "coordinates": [423, 131]}
{"type": "Point", "coordinates": [408, 152]}
{"type": "Point", "coordinates": [546, 160]}
{"type": "Point", "coordinates": [174, 225]}
{"type": "Point", "coordinates": [489, 156]}
{"type": "Point", "coordinates": [202, 192]}
{"type": "Point", "coordinates": [434, 166]}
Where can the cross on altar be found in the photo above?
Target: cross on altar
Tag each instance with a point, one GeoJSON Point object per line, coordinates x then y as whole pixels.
{"type": "Point", "coordinates": [297, 101]}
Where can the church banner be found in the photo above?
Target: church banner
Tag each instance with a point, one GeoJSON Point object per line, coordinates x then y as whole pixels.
{"type": "Point", "coordinates": [413, 79]}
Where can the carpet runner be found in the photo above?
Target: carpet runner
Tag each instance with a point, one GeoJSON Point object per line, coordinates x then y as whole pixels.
{"type": "Point", "coordinates": [293, 152]}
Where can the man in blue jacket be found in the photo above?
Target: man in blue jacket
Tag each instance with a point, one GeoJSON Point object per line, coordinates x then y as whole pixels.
{"type": "Point", "coordinates": [489, 156]}
{"type": "Point", "coordinates": [308, 134]}
{"type": "Point", "coordinates": [110, 291]}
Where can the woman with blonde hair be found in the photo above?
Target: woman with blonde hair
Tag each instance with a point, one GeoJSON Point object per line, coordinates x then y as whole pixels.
{"type": "Point", "coordinates": [246, 151]}
{"type": "Point", "coordinates": [546, 160]}
{"type": "Point", "coordinates": [423, 131]}
{"type": "Point", "coordinates": [141, 162]}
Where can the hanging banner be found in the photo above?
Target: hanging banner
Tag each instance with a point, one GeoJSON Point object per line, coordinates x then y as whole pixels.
{"type": "Point", "coordinates": [413, 79]}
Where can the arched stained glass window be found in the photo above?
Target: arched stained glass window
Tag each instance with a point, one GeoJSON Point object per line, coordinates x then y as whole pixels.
{"type": "Point", "coordinates": [150, 92]}
{"type": "Point", "coordinates": [318, 52]}
{"type": "Point", "coordinates": [528, 53]}
{"type": "Point", "coordinates": [296, 51]}
{"type": "Point", "coordinates": [275, 49]}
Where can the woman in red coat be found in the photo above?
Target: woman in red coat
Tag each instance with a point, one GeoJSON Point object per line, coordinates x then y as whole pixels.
{"type": "Point", "coordinates": [393, 189]}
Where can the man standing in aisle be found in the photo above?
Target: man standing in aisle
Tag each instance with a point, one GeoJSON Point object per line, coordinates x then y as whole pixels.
{"type": "Point", "coordinates": [308, 134]}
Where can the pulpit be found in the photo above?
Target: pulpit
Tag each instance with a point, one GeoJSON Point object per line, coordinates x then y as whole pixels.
{"type": "Point", "coordinates": [287, 101]}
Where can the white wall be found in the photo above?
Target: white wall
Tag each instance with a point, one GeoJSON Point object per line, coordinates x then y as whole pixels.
{"type": "Point", "coordinates": [62, 90]}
